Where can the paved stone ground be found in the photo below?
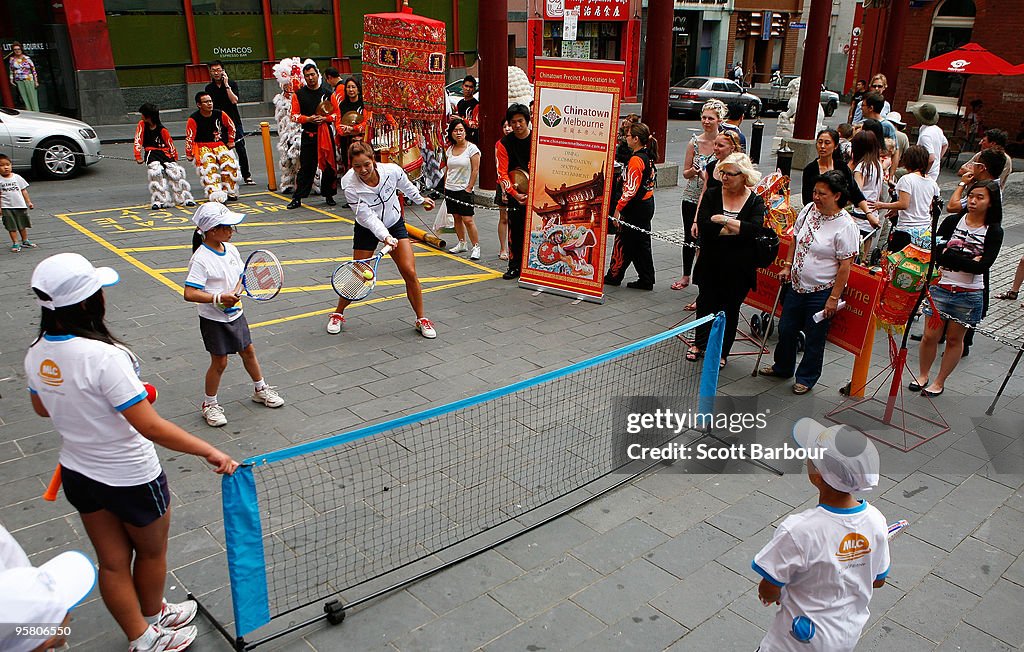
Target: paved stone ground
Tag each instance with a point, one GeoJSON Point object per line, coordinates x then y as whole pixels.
{"type": "Point", "coordinates": [660, 563]}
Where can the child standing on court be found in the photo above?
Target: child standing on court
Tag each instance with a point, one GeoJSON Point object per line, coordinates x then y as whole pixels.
{"type": "Point", "coordinates": [14, 205]}
{"type": "Point", "coordinates": [213, 275]}
{"type": "Point", "coordinates": [823, 563]}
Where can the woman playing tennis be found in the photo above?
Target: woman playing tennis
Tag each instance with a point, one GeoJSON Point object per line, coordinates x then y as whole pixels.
{"type": "Point", "coordinates": [371, 189]}
{"type": "Point", "coordinates": [82, 380]}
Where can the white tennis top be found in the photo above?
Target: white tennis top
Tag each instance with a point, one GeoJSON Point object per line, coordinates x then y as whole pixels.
{"type": "Point", "coordinates": [85, 385]}
{"type": "Point", "coordinates": [377, 207]}
{"type": "Point", "coordinates": [216, 271]}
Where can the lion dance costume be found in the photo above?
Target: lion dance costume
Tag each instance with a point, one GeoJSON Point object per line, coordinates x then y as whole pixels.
{"type": "Point", "coordinates": [209, 141]}
{"type": "Point", "coordinates": [288, 73]}
{"type": "Point", "coordinates": [167, 183]}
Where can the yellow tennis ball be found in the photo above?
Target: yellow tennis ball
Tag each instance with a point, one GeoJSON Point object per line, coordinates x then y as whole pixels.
{"type": "Point", "coordinates": [367, 274]}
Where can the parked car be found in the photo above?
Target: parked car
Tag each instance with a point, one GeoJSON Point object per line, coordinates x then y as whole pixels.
{"type": "Point", "coordinates": [689, 95]}
{"type": "Point", "coordinates": [775, 98]}
{"type": "Point", "coordinates": [54, 146]}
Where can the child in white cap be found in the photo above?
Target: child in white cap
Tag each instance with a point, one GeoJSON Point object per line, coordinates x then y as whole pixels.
{"type": "Point", "coordinates": [213, 275]}
{"type": "Point", "coordinates": [36, 603]}
{"type": "Point", "coordinates": [79, 377]}
{"type": "Point", "coordinates": [823, 563]}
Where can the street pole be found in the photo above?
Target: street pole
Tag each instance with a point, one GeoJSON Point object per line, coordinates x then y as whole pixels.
{"type": "Point", "coordinates": [658, 70]}
{"type": "Point", "coordinates": [493, 47]}
{"type": "Point", "coordinates": [813, 72]}
{"type": "Point", "coordinates": [756, 135]}
{"type": "Point", "coordinates": [894, 36]}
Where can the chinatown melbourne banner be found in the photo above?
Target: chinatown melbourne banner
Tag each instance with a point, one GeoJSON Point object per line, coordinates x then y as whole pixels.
{"type": "Point", "coordinates": [577, 108]}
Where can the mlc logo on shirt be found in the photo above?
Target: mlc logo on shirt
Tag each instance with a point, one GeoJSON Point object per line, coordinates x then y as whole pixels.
{"type": "Point", "coordinates": [853, 546]}
{"type": "Point", "coordinates": [49, 372]}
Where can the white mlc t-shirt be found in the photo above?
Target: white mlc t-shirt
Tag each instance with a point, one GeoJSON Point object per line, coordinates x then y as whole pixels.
{"type": "Point", "coordinates": [972, 243]}
{"type": "Point", "coordinates": [460, 167]}
{"type": "Point", "coordinates": [921, 190]}
{"type": "Point", "coordinates": [821, 243]}
{"type": "Point", "coordinates": [85, 385]}
{"type": "Point", "coordinates": [825, 559]}
{"type": "Point", "coordinates": [932, 139]}
{"type": "Point", "coordinates": [10, 191]}
{"type": "Point", "coordinates": [11, 553]}
{"type": "Point", "coordinates": [214, 271]}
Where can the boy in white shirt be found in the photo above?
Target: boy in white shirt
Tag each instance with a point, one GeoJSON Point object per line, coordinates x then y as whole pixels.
{"type": "Point", "coordinates": [14, 205]}
{"type": "Point", "coordinates": [213, 275]}
{"type": "Point", "coordinates": [823, 563]}
{"type": "Point", "coordinates": [930, 137]}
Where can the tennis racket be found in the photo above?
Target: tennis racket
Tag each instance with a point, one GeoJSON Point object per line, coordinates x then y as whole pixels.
{"type": "Point", "coordinates": [263, 276]}
{"type": "Point", "coordinates": [896, 528]}
{"type": "Point", "coordinates": [356, 279]}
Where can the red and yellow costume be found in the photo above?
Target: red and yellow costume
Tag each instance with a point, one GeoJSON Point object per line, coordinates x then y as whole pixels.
{"type": "Point", "coordinates": [209, 141]}
{"type": "Point", "coordinates": [167, 183]}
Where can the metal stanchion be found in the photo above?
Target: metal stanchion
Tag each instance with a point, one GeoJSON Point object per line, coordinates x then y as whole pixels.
{"type": "Point", "coordinates": [784, 163]}
{"type": "Point", "coordinates": [268, 156]}
{"type": "Point", "coordinates": [756, 134]}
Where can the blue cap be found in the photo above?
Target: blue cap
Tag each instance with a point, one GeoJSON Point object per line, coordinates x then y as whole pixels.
{"type": "Point", "coordinates": [803, 629]}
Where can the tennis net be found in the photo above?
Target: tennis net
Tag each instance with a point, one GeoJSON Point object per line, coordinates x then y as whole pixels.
{"type": "Point", "coordinates": [349, 513]}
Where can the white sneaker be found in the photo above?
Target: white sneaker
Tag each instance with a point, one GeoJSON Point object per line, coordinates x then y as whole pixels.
{"type": "Point", "coordinates": [426, 328]}
{"type": "Point", "coordinates": [459, 248]}
{"type": "Point", "coordinates": [214, 415]}
{"type": "Point", "coordinates": [177, 615]}
{"type": "Point", "coordinates": [268, 396]}
{"type": "Point", "coordinates": [474, 253]}
{"type": "Point", "coordinates": [334, 323]}
{"type": "Point", "coordinates": [169, 640]}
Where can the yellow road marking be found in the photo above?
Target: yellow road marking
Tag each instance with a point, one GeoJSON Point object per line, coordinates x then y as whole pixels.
{"type": "Point", "coordinates": [184, 210]}
{"type": "Point", "coordinates": [191, 227]}
{"type": "Point", "coordinates": [302, 261]}
{"type": "Point", "coordinates": [327, 311]}
{"type": "Point", "coordinates": [398, 281]}
{"type": "Point", "coordinates": [246, 243]}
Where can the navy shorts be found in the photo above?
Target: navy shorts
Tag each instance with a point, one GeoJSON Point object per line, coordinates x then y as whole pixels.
{"type": "Point", "coordinates": [137, 505]}
{"type": "Point", "coordinates": [364, 240]}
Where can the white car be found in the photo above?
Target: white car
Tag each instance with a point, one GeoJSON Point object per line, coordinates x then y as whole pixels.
{"type": "Point", "coordinates": [54, 146]}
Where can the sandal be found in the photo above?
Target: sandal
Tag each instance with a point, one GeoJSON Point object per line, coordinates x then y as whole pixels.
{"type": "Point", "coordinates": [682, 283]}
{"type": "Point", "coordinates": [690, 307]}
{"type": "Point", "coordinates": [503, 255]}
{"type": "Point", "coordinates": [800, 389]}
{"type": "Point", "coordinates": [1009, 294]}
{"type": "Point", "coordinates": [769, 371]}
{"type": "Point", "coordinates": [722, 363]}
{"type": "Point", "coordinates": [693, 354]}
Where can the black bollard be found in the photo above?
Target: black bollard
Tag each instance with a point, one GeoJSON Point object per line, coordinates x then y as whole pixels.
{"type": "Point", "coordinates": [756, 133]}
{"type": "Point", "coordinates": [784, 163]}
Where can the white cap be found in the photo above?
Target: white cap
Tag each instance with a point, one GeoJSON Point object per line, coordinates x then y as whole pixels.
{"type": "Point", "coordinates": [69, 279]}
{"type": "Point", "coordinates": [213, 214]}
{"type": "Point", "coordinates": [42, 596]}
{"type": "Point", "coordinates": [849, 460]}
{"type": "Point", "coordinates": [896, 118]}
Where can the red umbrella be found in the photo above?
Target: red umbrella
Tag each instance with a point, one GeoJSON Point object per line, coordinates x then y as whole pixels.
{"type": "Point", "coordinates": [971, 59]}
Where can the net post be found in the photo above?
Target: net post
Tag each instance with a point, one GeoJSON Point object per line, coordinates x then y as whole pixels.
{"type": "Point", "coordinates": [709, 374]}
{"type": "Point", "coordinates": [246, 565]}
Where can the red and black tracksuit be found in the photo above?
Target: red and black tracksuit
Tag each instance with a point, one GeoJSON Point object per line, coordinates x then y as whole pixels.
{"type": "Point", "coordinates": [636, 207]}
{"type": "Point", "coordinates": [513, 153]}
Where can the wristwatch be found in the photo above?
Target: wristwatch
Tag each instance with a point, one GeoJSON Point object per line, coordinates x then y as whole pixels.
{"type": "Point", "coordinates": [961, 184]}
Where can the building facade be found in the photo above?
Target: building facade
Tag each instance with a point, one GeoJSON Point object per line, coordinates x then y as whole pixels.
{"type": "Point", "coordinates": [935, 27]}
{"type": "Point", "coordinates": [97, 57]}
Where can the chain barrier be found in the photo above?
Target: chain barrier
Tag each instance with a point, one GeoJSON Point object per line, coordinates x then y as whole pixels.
{"type": "Point", "coordinates": [46, 149]}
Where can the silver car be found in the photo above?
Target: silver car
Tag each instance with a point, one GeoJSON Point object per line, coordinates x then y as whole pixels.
{"type": "Point", "coordinates": [54, 146]}
{"type": "Point", "coordinates": [690, 95]}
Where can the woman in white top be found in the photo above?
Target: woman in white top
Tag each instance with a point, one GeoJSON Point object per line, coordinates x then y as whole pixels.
{"type": "Point", "coordinates": [826, 239]}
{"type": "Point", "coordinates": [371, 189]}
{"type": "Point", "coordinates": [81, 378]}
{"type": "Point", "coordinates": [914, 205]}
{"type": "Point", "coordinates": [869, 175]}
{"type": "Point", "coordinates": [461, 170]}
{"type": "Point", "coordinates": [969, 243]}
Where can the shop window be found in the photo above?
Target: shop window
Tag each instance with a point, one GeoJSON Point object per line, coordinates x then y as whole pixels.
{"type": "Point", "coordinates": [225, 7]}
{"type": "Point", "coordinates": [952, 27]}
{"type": "Point", "coordinates": [301, 7]}
{"type": "Point", "coordinates": [121, 7]}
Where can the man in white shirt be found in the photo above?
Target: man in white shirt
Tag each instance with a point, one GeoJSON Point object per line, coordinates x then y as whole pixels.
{"type": "Point", "coordinates": [931, 137]}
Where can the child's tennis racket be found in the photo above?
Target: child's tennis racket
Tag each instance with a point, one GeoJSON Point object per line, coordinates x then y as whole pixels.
{"type": "Point", "coordinates": [355, 279]}
{"type": "Point", "coordinates": [896, 528]}
{"type": "Point", "coordinates": [263, 276]}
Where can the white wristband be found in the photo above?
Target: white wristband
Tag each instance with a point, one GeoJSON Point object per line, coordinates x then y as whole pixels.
{"type": "Point", "coordinates": [216, 298]}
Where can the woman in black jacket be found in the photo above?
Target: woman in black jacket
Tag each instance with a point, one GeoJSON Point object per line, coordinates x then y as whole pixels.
{"type": "Point", "coordinates": [969, 244]}
{"type": "Point", "coordinates": [728, 219]}
{"type": "Point", "coordinates": [830, 158]}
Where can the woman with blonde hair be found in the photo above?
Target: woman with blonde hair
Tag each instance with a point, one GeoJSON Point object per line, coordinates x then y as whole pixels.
{"type": "Point", "coordinates": [699, 151]}
{"type": "Point", "coordinates": [730, 216]}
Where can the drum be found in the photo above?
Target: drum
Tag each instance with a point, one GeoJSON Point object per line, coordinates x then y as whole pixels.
{"type": "Point", "coordinates": [411, 161]}
{"type": "Point", "coordinates": [520, 180]}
